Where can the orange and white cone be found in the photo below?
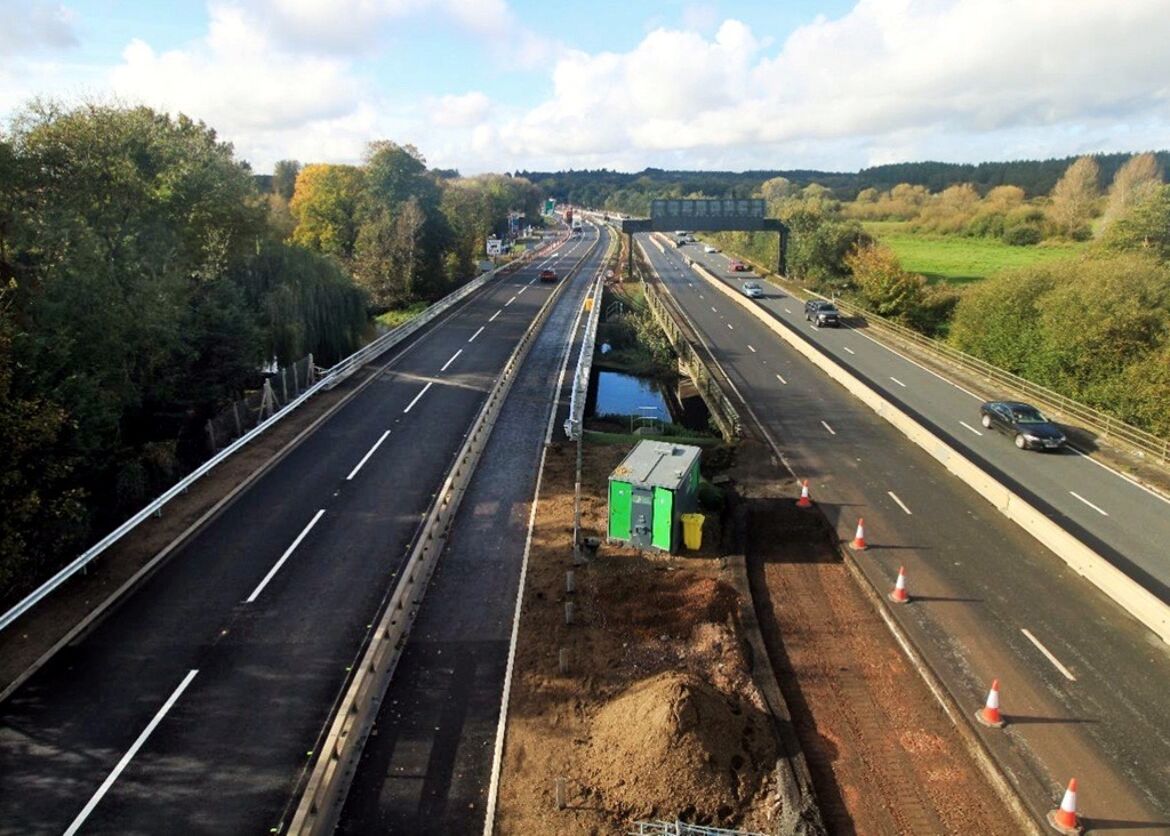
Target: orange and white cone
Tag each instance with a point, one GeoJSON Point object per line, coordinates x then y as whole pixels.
{"type": "Point", "coordinates": [989, 715]}
{"type": "Point", "coordinates": [899, 595]}
{"type": "Point", "coordinates": [804, 501]}
{"type": "Point", "coordinates": [859, 538]}
{"type": "Point", "coordinates": [1065, 820]}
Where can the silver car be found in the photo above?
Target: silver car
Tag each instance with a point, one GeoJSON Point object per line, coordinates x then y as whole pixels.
{"type": "Point", "coordinates": [752, 290]}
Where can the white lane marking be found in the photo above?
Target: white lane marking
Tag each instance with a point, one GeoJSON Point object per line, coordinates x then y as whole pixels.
{"type": "Point", "coordinates": [1124, 476]}
{"type": "Point", "coordinates": [1067, 674]}
{"type": "Point", "coordinates": [276, 567]}
{"type": "Point", "coordinates": [972, 429]}
{"type": "Point", "coordinates": [510, 301]}
{"type": "Point", "coordinates": [847, 348]}
{"type": "Point", "coordinates": [130, 753]}
{"type": "Point", "coordinates": [521, 290]}
{"type": "Point", "coordinates": [916, 363]}
{"type": "Point", "coordinates": [1090, 504]}
{"type": "Point", "coordinates": [900, 383]}
{"type": "Point", "coordinates": [701, 296]}
{"type": "Point", "coordinates": [366, 457]}
{"type": "Point", "coordinates": [410, 405]}
{"type": "Point", "coordinates": [901, 504]}
{"type": "Point", "coordinates": [827, 427]}
{"type": "Point", "coordinates": [452, 360]}
{"type": "Point", "coordinates": [497, 313]}
{"type": "Point", "coordinates": [751, 348]}
{"type": "Point", "coordinates": [730, 327]}
{"type": "Point", "coordinates": [476, 334]}
{"type": "Point", "coordinates": [786, 310]}
{"type": "Point", "coordinates": [782, 380]}
{"type": "Point", "coordinates": [714, 310]}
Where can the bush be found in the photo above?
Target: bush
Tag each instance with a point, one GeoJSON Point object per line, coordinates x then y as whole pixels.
{"type": "Point", "coordinates": [1023, 236]}
{"type": "Point", "coordinates": [710, 497]}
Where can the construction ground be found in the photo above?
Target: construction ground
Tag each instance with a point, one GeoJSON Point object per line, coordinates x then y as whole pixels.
{"type": "Point", "coordinates": [651, 704]}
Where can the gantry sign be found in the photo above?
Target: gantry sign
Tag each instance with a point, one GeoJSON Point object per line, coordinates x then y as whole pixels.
{"type": "Point", "coordinates": [732, 214]}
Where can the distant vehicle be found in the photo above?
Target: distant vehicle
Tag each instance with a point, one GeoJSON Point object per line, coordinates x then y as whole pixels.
{"type": "Point", "coordinates": [752, 290]}
{"type": "Point", "coordinates": [737, 266]}
{"type": "Point", "coordinates": [1030, 429]}
{"type": "Point", "coordinates": [708, 248]}
{"type": "Point", "coordinates": [681, 233]}
{"type": "Point", "coordinates": [822, 313]}
{"type": "Point", "coordinates": [678, 242]}
{"type": "Point", "coordinates": [547, 275]}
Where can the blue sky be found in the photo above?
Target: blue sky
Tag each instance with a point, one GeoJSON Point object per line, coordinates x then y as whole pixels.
{"type": "Point", "coordinates": [501, 85]}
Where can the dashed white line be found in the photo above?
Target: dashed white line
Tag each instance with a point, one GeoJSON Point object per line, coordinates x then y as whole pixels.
{"type": "Point", "coordinates": [730, 327]}
{"type": "Point", "coordinates": [847, 348]}
{"type": "Point", "coordinates": [972, 429]}
{"type": "Point", "coordinates": [130, 753]}
{"type": "Point", "coordinates": [366, 457]}
{"type": "Point", "coordinates": [901, 504]}
{"type": "Point", "coordinates": [521, 290]}
{"type": "Point", "coordinates": [900, 383]}
{"type": "Point", "coordinates": [452, 360]}
{"type": "Point", "coordinates": [751, 348]}
{"type": "Point", "coordinates": [510, 301]}
{"type": "Point", "coordinates": [1067, 674]}
{"type": "Point", "coordinates": [476, 334]}
{"type": "Point", "coordinates": [827, 427]}
{"type": "Point", "coordinates": [787, 311]}
{"type": "Point", "coordinates": [497, 313]}
{"type": "Point", "coordinates": [410, 405]}
{"type": "Point", "coordinates": [1090, 504]}
{"type": "Point", "coordinates": [782, 380]}
{"type": "Point", "coordinates": [714, 309]}
{"type": "Point", "coordinates": [276, 567]}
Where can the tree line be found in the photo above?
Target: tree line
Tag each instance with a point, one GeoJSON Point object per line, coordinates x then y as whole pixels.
{"type": "Point", "coordinates": [146, 279]}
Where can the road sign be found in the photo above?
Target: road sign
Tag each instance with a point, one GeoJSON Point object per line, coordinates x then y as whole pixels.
{"type": "Point", "coordinates": [494, 246]}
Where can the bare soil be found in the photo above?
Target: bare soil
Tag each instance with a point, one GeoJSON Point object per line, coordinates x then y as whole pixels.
{"type": "Point", "coordinates": [658, 717]}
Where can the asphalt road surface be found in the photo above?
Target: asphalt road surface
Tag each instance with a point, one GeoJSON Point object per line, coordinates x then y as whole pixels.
{"type": "Point", "coordinates": [427, 766]}
{"type": "Point", "coordinates": [194, 706]}
{"type": "Point", "coordinates": [1084, 686]}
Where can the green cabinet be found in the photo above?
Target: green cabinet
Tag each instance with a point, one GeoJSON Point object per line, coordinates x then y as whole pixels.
{"type": "Point", "coordinates": [649, 491]}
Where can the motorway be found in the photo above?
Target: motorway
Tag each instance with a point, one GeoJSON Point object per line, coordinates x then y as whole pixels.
{"type": "Point", "coordinates": [1083, 684]}
{"type": "Point", "coordinates": [195, 705]}
{"type": "Point", "coordinates": [428, 767]}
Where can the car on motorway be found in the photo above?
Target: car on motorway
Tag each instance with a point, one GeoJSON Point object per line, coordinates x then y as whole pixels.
{"type": "Point", "coordinates": [821, 312]}
{"type": "Point", "coordinates": [752, 290]}
{"type": "Point", "coordinates": [737, 266]}
{"type": "Point", "coordinates": [708, 248]}
{"type": "Point", "coordinates": [1027, 425]}
{"type": "Point", "coordinates": [547, 275]}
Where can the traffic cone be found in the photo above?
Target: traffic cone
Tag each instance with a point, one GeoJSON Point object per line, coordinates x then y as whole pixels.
{"type": "Point", "coordinates": [804, 501]}
{"type": "Point", "coordinates": [989, 715]}
{"type": "Point", "coordinates": [1064, 820]}
{"type": "Point", "coordinates": [859, 538]}
{"type": "Point", "coordinates": [899, 595]}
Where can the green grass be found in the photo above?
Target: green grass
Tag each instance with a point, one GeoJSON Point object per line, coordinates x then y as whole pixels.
{"type": "Point", "coordinates": [398, 316]}
{"type": "Point", "coordinates": [959, 260]}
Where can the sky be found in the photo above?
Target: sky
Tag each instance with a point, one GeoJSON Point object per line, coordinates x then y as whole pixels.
{"type": "Point", "coordinates": [540, 85]}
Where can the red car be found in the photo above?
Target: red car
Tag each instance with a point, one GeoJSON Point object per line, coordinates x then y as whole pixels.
{"type": "Point", "coordinates": [738, 266]}
{"type": "Point", "coordinates": [548, 275]}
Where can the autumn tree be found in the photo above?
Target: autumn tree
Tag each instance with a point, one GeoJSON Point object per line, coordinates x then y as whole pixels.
{"type": "Point", "coordinates": [325, 206]}
{"type": "Point", "coordinates": [888, 289]}
{"type": "Point", "coordinates": [1074, 198]}
{"type": "Point", "coordinates": [1144, 227]}
{"type": "Point", "coordinates": [1133, 184]}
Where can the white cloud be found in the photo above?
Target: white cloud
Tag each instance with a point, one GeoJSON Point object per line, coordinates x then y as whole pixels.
{"type": "Point", "coordinates": [34, 25]}
{"type": "Point", "coordinates": [465, 111]}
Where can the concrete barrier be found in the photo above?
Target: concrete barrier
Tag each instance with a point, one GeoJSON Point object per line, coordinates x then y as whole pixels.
{"type": "Point", "coordinates": [1123, 590]}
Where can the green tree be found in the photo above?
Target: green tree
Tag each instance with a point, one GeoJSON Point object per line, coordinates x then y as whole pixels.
{"type": "Point", "coordinates": [325, 206]}
{"type": "Point", "coordinates": [1145, 227]}
{"type": "Point", "coordinates": [284, 178]}
{"type": "Point", "coordinates": [888, 289]}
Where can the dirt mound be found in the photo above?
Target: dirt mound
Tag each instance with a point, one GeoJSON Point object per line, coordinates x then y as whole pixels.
{"type": "Point", "coordinates": [673, 745]}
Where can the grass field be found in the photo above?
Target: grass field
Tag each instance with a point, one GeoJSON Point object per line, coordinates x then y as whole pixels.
{"type": "Point", "coordinates": [958, 260]}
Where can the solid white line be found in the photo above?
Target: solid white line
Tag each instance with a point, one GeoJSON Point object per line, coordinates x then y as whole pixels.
{"type": "Point", "coordinates": [900, 383]}
{"type": "Point", "coordinates": [751, 348]}
{"type": "Point", "coordinates": [476, 334]}
{"type": "Point", "coordinates": [827, 427]}
{"type": "Point", "coordinates": [276, 567]}
{"type": "Point", "coordinates": [510, 301]}
{"type": "Point", "coordinates": [972, 429]}
{"type": "Point", "coordinates": [130, 753]}
{"type": "Point", "coordinates": [410, 405]}
{"type": "Point", "coordinates": [1090, 504]}
{"type": "Point", "coordinates": [847, 348]}
{"type": "Point", "coordinates": [452, 360]}
{"type": "Point", "coordinates": [1067, 674]}
{"type": "Point", "coordinates": [782, 380]}
{"type": "Point", "coordinates": [497, 313]}
{"type": "Point", "coordinates": [901, 504]}
{"type": "Point", "coordinates": [366, 457]}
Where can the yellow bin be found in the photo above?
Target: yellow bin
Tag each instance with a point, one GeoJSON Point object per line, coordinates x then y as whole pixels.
{"type": "Point", "coordinates": [692, 531]}
{"type": "Point", "coordinates": [588, 303]}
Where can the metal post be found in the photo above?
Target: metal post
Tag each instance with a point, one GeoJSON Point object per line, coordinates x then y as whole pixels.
{"type": "Point", "coordinates": [568, 612]}
{"type": "Point", "coordinates": [782, 255]}
{"type": "Point", "coordinates": [563, 659]}
{"type": "Point", "coordinates": [560, 793]}
{"type": "Point", "coordinates": [236, 415]}
{"type": "Point", "coordinates": [211, 436]}
{"type": "Point", "coordinates": [284, 384]}
{"type": "Point", "coordinates": [570, 582]}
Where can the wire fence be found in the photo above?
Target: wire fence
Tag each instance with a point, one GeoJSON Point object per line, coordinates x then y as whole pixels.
{"type": "Point", "coordinates": [682, 828]}
{"type": "Point", "coordinates": [280, 389]}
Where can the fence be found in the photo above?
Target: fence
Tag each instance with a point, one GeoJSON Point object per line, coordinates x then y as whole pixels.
{"type": "Point", "coordinates": [278, 391]}
{"type": "Point", "coordinates": [577, 398]}
{"type": "Point", "coordinates": [681, 828]}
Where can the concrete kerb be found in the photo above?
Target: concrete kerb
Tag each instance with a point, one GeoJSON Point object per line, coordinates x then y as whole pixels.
{"type": "Point", "coordinates": [336, 761]}
{"type": "Point", "coordinates": [799, 813]}
{"type": "Point", "coordinates": [1124, 591]}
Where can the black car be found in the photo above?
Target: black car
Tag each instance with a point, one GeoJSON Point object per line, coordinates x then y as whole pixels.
{"type": "Point", "coordinates": [1024, 422]}
{"type": "Point", "coordinates": [820, 312]}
